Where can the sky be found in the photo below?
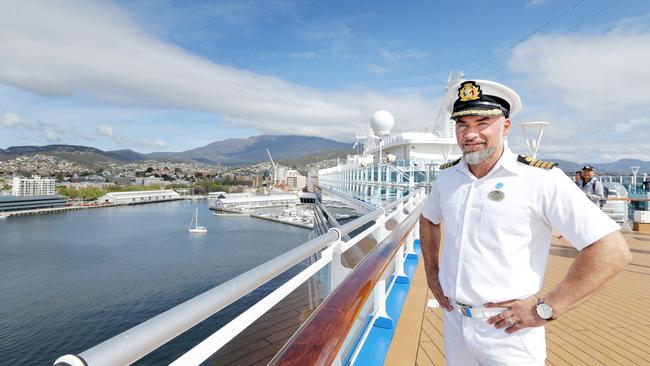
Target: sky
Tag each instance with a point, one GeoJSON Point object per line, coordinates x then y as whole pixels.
{"type": "Point", "coordinates": [163, 75]}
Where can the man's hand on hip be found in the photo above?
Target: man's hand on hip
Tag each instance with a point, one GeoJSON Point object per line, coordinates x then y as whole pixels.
{"type": "Point", "coordinates": [434, 285]}
{"type": "Point", "coordinates": [519, 315]}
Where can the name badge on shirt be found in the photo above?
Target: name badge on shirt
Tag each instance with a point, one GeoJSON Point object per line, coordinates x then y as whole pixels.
{"type": "Point", "coordinates": [497, 194]}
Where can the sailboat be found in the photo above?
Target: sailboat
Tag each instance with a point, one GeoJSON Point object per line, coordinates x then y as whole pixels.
{"type": "Point", "coordinates": [195, 221]}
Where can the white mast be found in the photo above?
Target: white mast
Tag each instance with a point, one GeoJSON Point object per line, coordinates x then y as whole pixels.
{"type": "Point", "coordinates": [275, 168]}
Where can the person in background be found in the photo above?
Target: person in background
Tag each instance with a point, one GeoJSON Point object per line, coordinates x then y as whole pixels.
{"type": "Point", "coordinates": [592, 187]}
{"type": "Point", "coordinates": [578, 177]}
{"type": "Point", "coordinates": [645, 184]}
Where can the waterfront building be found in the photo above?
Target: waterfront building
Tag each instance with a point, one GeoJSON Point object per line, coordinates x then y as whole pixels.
{"type": "Point", "coordinates": [139, 196]}
{"type": "Point", "coordinates": [18, 203]}
{"type": "Point", "coordinates": [296, 182]}
{"type": "Point", "coordinates": [246, 201]}
{"type": "Point", "coordinates": [36, 186]}
{"type": "Point", "coordinates": [258, 180]}
{"type": "Point", "coordinates": [312, 181]}
{"type": "Point", "coordinates": [78, 185]}
{"type": "Point", "coordinates": [121, 181]}
{"type": "Point", "coordinates": [149, 181]}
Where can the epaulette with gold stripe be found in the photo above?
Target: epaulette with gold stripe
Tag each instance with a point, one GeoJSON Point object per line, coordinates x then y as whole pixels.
{"type": "Point", "coordinates": [449, 164]}
{"type": "Point", "coordinates": [536, 163]}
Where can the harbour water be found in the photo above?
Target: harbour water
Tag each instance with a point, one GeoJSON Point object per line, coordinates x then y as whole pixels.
{"type": "Point", "coordinates": [71, 280]}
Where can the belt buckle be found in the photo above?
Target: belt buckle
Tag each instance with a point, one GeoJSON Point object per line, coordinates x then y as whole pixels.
{"type": "Point", "coordinates": [465, 310]}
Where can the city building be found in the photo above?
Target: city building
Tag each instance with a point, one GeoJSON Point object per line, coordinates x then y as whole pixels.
{"type": "Point", "coordinates": [121, 181]}
{"type": "Point", "coordinates": [294, 180]}
{"type": "Point", "coordinates": [36, 186]}
{"type": "Point", "coordinates": [312, 181]}
{"type": "Point", "coordinates": [149, 181]}
{"type": "Point", "coordinates": [17, 203]}
{"type": "Point", "coordinates": [245, 201]}
{"type": "Point", "coordinates": [139, 196]}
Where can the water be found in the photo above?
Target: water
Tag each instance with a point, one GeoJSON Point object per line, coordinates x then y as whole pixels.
{"type": "Point", "coordinates": [72, 280]}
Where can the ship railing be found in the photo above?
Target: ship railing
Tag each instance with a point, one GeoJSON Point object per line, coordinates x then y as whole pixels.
{"type": "Point", "coordinates": [333, 335]}
{"type": "Point", "coordinates": [137, 342]}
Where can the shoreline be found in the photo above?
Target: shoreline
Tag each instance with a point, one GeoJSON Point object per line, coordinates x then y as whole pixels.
{"type": "Point", "coordinates": [38, 211]}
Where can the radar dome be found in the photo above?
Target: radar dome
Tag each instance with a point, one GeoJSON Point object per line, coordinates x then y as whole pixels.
{"type": "Point", "coordinates": [382, 122]}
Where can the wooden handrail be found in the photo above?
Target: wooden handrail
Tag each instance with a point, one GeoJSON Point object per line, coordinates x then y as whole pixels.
{"type": "Point", "coordinates": [628, 199]}
{"type": "Point", "coordinates": [319, 340]}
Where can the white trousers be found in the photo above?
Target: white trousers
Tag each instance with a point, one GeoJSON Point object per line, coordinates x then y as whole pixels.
{"type": "Point", "coordinates": [474, 342]}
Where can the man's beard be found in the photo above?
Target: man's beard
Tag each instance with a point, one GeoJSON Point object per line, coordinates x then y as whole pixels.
{"type": "Point", "coordinates": [477, 157]}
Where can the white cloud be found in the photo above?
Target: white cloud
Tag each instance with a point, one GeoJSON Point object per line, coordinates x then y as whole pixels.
{"type": "Point", "coordinates": [116, 61]}
{"type": "Point", "coordinates": [393, 56]}
{"type": "Point", "coordinates": [153, 144]}
{"type": "Point", "coordinates": [52, 136]}
{"type": "Point", "coordinates": [308, 55]}
{"type": "Point", "coordinates": [394, 60]}
{"type": "Point", "coordinates": [105, 130]}
{"type": "Point", "coordinates": [535, 2]}
{"type": "Point", "coordinates": [11, 119]}
{"type": "Point", "coordinates": [591, 73]}
{"type": "Point", "coordinates": [376, 69]}
{"type": "Point", "coordinates": [593, 88]}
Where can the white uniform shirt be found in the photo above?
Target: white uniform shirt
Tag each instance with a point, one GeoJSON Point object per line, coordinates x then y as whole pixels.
{"type": "Point", "coordinates": [497, 250]}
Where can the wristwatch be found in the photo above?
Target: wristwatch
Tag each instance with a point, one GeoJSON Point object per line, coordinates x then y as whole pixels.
{"type": "Point", "coordinates": [544, 310]}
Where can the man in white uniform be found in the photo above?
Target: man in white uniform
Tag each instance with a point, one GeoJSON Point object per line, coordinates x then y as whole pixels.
{"type": "Point", "coordinates": [498, 211]}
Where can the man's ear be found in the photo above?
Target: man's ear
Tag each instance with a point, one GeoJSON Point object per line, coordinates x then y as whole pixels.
{"type": "Point", "coordinates": [506, 127]}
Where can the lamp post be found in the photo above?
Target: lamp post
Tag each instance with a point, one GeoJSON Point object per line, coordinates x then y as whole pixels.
{"type": "Point", "coordinates": [531, 142]}
{"type": "Point", "coordinates": [635, 169]}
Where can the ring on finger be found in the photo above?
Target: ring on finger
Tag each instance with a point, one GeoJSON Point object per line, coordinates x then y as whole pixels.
{"type": "Point", "coordinates": [510, 321]}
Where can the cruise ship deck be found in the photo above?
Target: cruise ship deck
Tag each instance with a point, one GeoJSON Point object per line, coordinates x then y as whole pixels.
{"type": "Point", "coordinates": [611, 328]}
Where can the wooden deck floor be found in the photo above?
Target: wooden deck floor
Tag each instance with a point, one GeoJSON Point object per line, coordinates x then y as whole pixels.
{"type": "Point", "coordinates": [612, 328]}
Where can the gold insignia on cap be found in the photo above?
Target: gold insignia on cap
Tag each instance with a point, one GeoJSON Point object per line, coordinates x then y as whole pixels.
{"type": "Point", "coordinates": [469, 91]}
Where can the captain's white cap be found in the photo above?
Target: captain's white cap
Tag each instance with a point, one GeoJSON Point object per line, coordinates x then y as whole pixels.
{"type": "Point", "coordinates": [481, 98]}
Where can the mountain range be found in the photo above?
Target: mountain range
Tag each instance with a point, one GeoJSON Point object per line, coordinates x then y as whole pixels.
{"type": "Point", "coordinates": [225, 152]}
{"type": "Point", "coordinates": [253, 150]}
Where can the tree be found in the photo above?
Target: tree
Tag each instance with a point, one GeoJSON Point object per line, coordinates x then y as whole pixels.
{"type": "Point", "coordinates": [69, 192]}
{"type": "Point", "coordinates": [91, 193]}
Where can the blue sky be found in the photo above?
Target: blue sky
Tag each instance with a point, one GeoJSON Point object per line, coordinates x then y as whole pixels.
{"type": "Point", "coordinates": [164, 75]}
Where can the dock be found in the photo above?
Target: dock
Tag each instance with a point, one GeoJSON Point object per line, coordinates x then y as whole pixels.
{"type": "Point", "coordinates": [39, 211]}
{"type": "Point", "coordinates": [304, 226]}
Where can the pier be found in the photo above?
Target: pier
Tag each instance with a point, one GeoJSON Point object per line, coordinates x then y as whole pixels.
{"type": "Point", "coordinates": [38, 211]}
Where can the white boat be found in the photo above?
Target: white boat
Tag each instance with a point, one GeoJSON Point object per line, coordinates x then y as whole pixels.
{"type": "Point", "coordinates": [195, 221]}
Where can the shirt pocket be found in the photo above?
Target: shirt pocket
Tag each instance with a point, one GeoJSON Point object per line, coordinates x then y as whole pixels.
{"type": "Point", "coordinates": [505, 229]}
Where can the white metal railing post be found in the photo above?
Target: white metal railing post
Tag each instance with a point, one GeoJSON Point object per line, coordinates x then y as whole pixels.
{"type": "Point", "coordinates": [410, 249]}
{"type": "Point", "coordinates": [400, 215]}
{"type": "Point", "coordinates": [381, 232]}
{"type": "Point", "coordinates": [382, 319]}
{"type": "Point", "coordinates": [400, 274]}
{"type": "Point", "coordinates": [338, 272]}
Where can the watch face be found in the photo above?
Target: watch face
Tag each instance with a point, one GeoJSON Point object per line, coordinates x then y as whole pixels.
{"type": "Point", "coordinates": [545, 311]}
